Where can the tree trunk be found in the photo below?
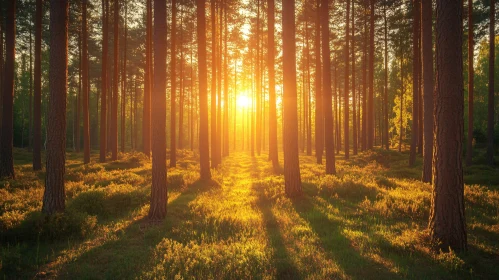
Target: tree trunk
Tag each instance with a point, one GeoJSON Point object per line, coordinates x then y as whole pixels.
{"type": "Point", "coordinates": [292, 179]}
{"type": "Point", "coordinates": [214, 152]}
{"type": "Point", "coordinates": [354, 95]}
{"type": "Point", "coordinates": [385, 93]}
{"type": "Point", "coordinates": [490, 119]}
{"type": "Point", "coordinates": [346, 97]}
{"type": "Point", "coordinates": [427, 45]}
{"type": "Point", "coordinates": [7, 139]}
{"type": "Point", "coordinates": [114, 116]}
{"type": "Point", "coordinates": [364, 84]}
{"type": "Point", "coordinates": [54, 195]}
{"type": "Point", "coordinates": [327, 96]}
{"type": "Point", "coordinates": [319, 116]}
{"type": "Point", "coordinates": [370, 101]}
{"type": "Point", "coordinates": [471, 76]}
{"type": "Point", "coordinates": [146, 118]}
{"type": "Point", "coordinates": [159, 194]}
{"type": "Point", "coordinates": [415, 80]}
{"type": "Point", "coordinates": [273, 151]}
{"type": "Point", "coordinates": [84, 63]}
{"type": "Point", "coordinates": [447, 217]}
{"type": "Point", "coordinates": [173, 129]}
{"type": "Point", "coordinates": [124, 81]}
{"type": "Point", "coordinates": [37, 112]}
{"type": "Point", "coordinates": [226, 87]}
{"type": "Point", "coordinates": [204, 146]}
{"type": "Point", "coordinates": [103, 104]}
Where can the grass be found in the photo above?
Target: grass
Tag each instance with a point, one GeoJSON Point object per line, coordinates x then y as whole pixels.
{"type": "Point", "coordinates": [367, 222]}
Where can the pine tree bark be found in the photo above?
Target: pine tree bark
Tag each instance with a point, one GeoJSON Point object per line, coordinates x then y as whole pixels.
{"type": "Point", "coordinates": [346, 93]}
{"type": "Point", "coordinates": [173, 129]}
{"type": "Point", "coordinates": [103, 104]}
{"type": "Point", "coordinates": [471, 77]}
{"type": "Point", "coordinates": [354, 94]}
{"type": "Point", "coordinates": [159, 192]}
{"type": "Point", "coordinates": [385, 93]}
{"type": "Point", "coordinates": [447, 218]}
{"type": "Point", "coordinates": [427, 45]}
{"type": "Point", "coordinates": [292, 179]}
{"type": "Point", "coordinates": [226, 87]}
{"type": "Point", "coordinates": [491, 104]}
{"type": "Point", "coordinates": [327, 95]}
{"type": "Point", "coordinates": [54, 195]}
{"type": "Point", "coordinates": [146, 119]}
{"type": "Point", "coordinates": [37, 99]}
{"type": "Point", "coordinates": [7, 139]}
{"type": "Point", "coordinates": [415, 80]}
{"type": "Point", "coordinates": [214, 152]}
{"type": "Point", "coordinates": [124, 81]}
{"type": "Point", "coordinates": [114, 114]}
{"type": "Point", "coordinates": [273, 151]}
{"type": "Point", "coordinates": [370, 101]}
{"type": "Point", "coordinates": [85, 87]}
{"type": "Point", "coordinates": [1, 70]}
{"type": "Point", "coordinates": [319, 116]}
{"type": "Point", "coordinates": [364, 83]}
{"type": "Point", "coordinates": [204, 146]}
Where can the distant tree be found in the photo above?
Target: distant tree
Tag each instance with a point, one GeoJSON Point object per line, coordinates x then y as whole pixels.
{"type": "Point", "coordinates": [173, 146]}
{"type": "Point", "coordinates": [447, 218]}
{"type": "Point", "coordinates": [104, 85]}
{"type": "Point", "coordinates": [292, 179]}
{"type": "Point", "coordinates": [37, 100]}
{"type": "Point", "coordinates": [491, 104]}
{"type": "Point", "coordinates": [415, 80]}
{"type": "Point", "coordinates": [354, 90]}
{"type": "Point", "coordinates": [319, 116]}
{"type": "Point", "coordinates": [214, 152]}
{"type": "Point", "coordinates": [427, 51]}
{"type": "Point", "coordinates": [204, 146]}
{"type": "Point", "coordinates": [346, 92]}
{"type": "Point", "coordinates": [85, 80]}
{"type": "Point", "coordinates": [159, 193]}
{"type": "Point", "coordinates": [146, 125]}
{"type": "Point", "coordinates": [7, 139]}
{"type": "Point", "coordinates": [370, 98]}
{"type": "Point", "coordinates": [386, 141]}
{"type": "Point", "coordinates": [471, 76]}
{"type": "Point", "coordinates": [54, 195]}
{"type": "Point", "coordinates": [273, 152]}
{"type": "Point", "coordinates": [114, 111]}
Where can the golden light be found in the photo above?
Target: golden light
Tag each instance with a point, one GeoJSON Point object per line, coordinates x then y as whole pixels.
{"type": "Point", "coordinates": [243, 101]}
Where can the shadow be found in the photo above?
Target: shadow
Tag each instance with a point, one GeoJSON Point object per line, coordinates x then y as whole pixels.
{"type": "Point", "coordinates": [285, 269]}
{"type": "Point", "coordinates": [337, 246]}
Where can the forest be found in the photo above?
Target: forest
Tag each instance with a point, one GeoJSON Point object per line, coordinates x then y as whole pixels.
{"type": "Point", "coordinates": [249, 139]}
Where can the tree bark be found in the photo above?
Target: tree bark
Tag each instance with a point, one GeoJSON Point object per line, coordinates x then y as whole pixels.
{"type": "Point", "coordinates": [447, 218]}
{"type": "Point", "coordinates": [204, 146]}
{"type": "Point", "coordinates": [490, 116]}
{"type": "Point", "coordinates": [146, 125]}
{"type": "Point", "coordinates": [292, 179]}
{"type": "Point", "coordinates": [114, 115]}
{"type": "Point", "coordinates": [214, 152]}
{"type": "Point", "coordinates": [7, 139]}
{"type": "Point", "coordinates": [346, 93]}
{"type": "Point", "coordinates": [226, 87]}
{"type": "Point", "coordinates": [103, 104]}
{"type": "Point", "coordinates": [85, 88]}
{"type": "Point", "coordinates": [319, 116]}
{"type": "Point", "coordinates": [54, 195]}
{"type": "Point", "coordinates": [273, 151]}
{"type": "Point", "coordinates": [354, 95]}
{"type": "Point", "coordinates": [173, 129]}
{"type": "Point", "coordinates": [370, 101]}
{"type": "Point", "coordinates": [471, 76]}
{"type": "Point", "coordinates": [385, 93]}
{"type": "Point", "coordinates": [415, 79]}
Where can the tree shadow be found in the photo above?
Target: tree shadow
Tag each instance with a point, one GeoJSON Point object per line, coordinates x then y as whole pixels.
{"type": "Point", "coordinates": [336, 245]}
{"type": "Point", "coordinates": [285, 269]}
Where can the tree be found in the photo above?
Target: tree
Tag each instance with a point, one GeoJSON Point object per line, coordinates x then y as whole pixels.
{"type": "Point", "coordinates": [447, 217]}
{"type": "Point", "coordinates": [159, 193]}
{"type": "Point", "coordinates": [204, 146]}
{"type": "Point", "coordinates": [146, 125]}
{"type": "Point", "coordinates": [292, 179]}
{"type": "Point", "coordinates": [490, 116]}
{"type": "Point", "coordinates": [415, 79]}
{"type": "Point", "coordinates": [370, 98]}
{"type": "Point", "coordinates": [354, 95]}
{"type": "Point", "coordinates": [214, 152]}
{"type": "Point", "coordinates": [273, 152]}
{"type": "Point", "coordinates": [7, 139]}
{"type": "Point", "coordinates": [114, 114]}
{"type": "Point", "coordinates": [346, 97]}
{"type": "Point", "coordinates": [385, 92]}
{"type": "Point", "coordinates": [471, 75]}
{"type": "Point", "coordinates": [86, 116]}
{"type": "Point", "coordinates": [53, 197]}
{"type": "Point", "coordinates": [37, 98]}
{"type": "Point", "coordinates": [104, 85]}
{"type": "Point", "coordinates": [173, 147]}
{"type": "Point", "coordinates": [427, 45]}
{"type": "Point", "coordinates": [319, 116]}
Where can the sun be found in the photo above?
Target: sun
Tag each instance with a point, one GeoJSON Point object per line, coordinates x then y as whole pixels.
{"type": "Point", "coordinates": [243, 101]}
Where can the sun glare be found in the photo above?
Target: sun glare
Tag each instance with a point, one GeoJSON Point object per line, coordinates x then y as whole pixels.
{"type": "Point", "coordinates": [243, 101]}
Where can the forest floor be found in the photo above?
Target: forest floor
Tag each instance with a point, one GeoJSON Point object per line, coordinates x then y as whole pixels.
{"type": "Point", "coordinates": [367, 222]}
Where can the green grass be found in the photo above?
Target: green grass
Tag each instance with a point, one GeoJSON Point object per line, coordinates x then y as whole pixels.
{"type": "Point", "coordinates": [367, 222]}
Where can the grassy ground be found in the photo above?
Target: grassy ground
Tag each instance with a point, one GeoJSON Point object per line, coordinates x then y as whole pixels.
{"type": "Point", "coordinates": [368, 222]}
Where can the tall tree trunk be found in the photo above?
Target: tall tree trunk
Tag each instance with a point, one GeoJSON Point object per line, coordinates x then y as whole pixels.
{"type": "Point", "coordinates": [173, 129]}
{"type": "Point", "coordinates": [226, 87]}
{"type": "Point", "coordinates": [490, 119]}
{"type": "Point", "coordinates": [354, 94]}
{"type": "Point", "coordinates": [327, 96]}
{"type": "Point", "coordinates": [124, 81]}
{"type": "Point", "coordinates": [415, 80]}
{"type": "Point", "coordinates": [6, 143]}
{"type": "Point", "coordinates": [159, 192]}
{"type": "Point", "coordinates": [1, 70]}
{"type": "Point", "coordinates": [427, 45]}
{"type": "Point", "coordinates": [114, 116]}
{"type": "Point", "coordinates": [146, 125]}
{"type": "Point", "coordinates": [258, 84]}
{"type": "Point", "coordinates": [447, 218]}
{"type": "Point", "coordinates": [37, 112]}
{"type": "Point", "coordinates": [385, 93]}
{"type": "Point", "coordinates": [402, 92]}
{"type": "Point", "coordinates": [346, 97]}
{"type": "Point", "coordinates": [204, 146]}
{"type": "Point", "coordinates": [471, 77]}
{"type": "Point", "coordinates": [54, 195]}
{"type": "Point", "coordinates": [364, 83]}
{"type": "Point", "coordinates": [30, 127]}
{"type": "Point", "coordinates": [219, 83]}
{"type": "Point", "coordinates": [84, 62]}
{"type": "Point", "coordinates": [273, 151]}
{"type": "Point", "coordinates": [214, 153]}
{"type": "Point", "coordinates": [292, 179]}
{"type": "Point", "coordinates": [78, 100]}
{"type": "Point", "coordinates": [370, 101]}
{"type": "Point", "coordinates": [319, 116]}
{"type": "Point", "coordinates": [103, 104]}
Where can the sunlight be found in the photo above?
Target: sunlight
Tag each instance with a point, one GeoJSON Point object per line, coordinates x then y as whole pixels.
{"type": "Point", "coordinates": [243, 101]}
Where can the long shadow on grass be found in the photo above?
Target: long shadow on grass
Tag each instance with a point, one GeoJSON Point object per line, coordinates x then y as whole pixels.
{"type": "Point", "coordinates": [285, 268]}
{"type": "Point", "coordinates": [130, 254]}
{"type": "Point", "coordinates": [337, 245]}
